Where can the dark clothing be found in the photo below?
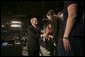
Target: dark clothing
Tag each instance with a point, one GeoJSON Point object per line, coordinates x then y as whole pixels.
{"type": "Point", "coordinates": [77, 34]}
{"type": "Point", "coordinates": [56, 24]}
{"type": "Point", "coordinates": [33, 41]}
{"type": "Point", "coordinates": [49, 45]}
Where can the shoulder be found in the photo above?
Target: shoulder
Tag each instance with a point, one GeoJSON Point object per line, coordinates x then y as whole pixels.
{"type": "Point", "coordinates": [56, 18]}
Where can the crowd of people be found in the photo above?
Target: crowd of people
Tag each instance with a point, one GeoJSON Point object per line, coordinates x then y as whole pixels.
{"type": "Point", "coordinates": [63, 35]}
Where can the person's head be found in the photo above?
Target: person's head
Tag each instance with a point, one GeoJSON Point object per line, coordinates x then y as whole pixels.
{"type": "Point", "coordinates": [50, 14]}
{"type": "Point", "coordinates": [58, 11]}
{"type": "Point", "coordinates": [34, 21]}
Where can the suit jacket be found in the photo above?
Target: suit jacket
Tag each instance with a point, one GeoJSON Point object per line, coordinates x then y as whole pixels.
{"type": "Point", "coordinates": [33, 35]}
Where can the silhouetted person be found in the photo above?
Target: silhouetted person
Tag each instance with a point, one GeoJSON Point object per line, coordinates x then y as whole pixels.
{"type": "Point", "coordinates": [33, 38]}
{"type": "Point", "coordinates": [55, 22]}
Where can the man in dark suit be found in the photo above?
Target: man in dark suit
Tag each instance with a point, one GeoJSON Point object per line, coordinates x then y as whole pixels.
{"type": "Point", "coordinates": [33, 33]}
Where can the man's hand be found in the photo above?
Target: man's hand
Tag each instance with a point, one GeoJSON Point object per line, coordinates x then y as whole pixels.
{"type": "Point", "coordinates": [66, 44]}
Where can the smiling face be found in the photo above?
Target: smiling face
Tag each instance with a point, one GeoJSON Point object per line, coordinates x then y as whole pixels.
{"type": "Point", "coordinates": [34, 21]}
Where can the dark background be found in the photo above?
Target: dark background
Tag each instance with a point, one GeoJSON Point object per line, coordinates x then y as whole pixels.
{"type": "Point", "coordinates": [24, 10]}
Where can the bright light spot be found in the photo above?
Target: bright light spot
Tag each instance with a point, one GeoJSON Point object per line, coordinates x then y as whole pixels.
{"type": "Point", "coordinates": [14, 25]}
{"type": "Point", "coordinates": [16, 22]}
{"type": "Point", "coordinates": [3, 26]}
